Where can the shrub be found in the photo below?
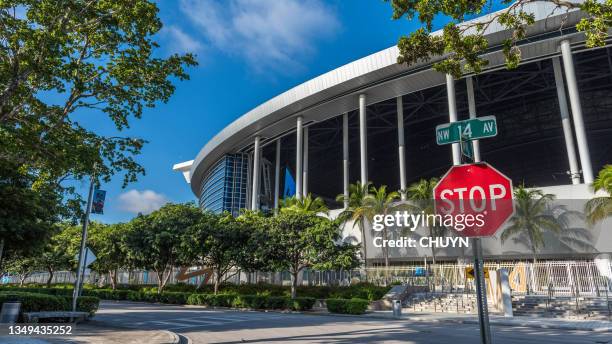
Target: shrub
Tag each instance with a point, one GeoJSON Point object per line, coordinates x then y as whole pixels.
{"type": "Point", "coordinates": [177, 298]}
{"type": "Point", "coordinates": [89, 304]}
{"type": "Point", "coordinates": [31, 302]}
{"type": "Point", "coordinates": [302, 303]}
{"type": "Point", "coordinates": [108, 294]}
{"type": "Point", "coordinates": [347, 306]}
{"type": "Point", "coordinates": [251, 301]}
{"type": "Point", "coordinates": [277, 302]}
{"type": "Point", "coordinates": [198, 299]}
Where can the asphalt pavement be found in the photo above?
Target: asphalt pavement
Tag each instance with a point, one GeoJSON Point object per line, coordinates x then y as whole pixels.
{"type": "Point", "coordinates": [203, 325]}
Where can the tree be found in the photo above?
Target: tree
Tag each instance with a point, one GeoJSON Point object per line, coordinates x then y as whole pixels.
{"type": "Point", "coordinates": [221, 243]}
{"type": "Point", "coordinates": [28, 210]}
{"type": "Point", "coordinates": [153, 242]}
{"type": "Point", "coordinates": [599, 208]}
{"type": "Point", "coordinates": [60, 58]}
{"type": "Point", "coordinates": [296, 240]}
{"type": "Point", "coordinates": [461, 45]}
{"type": "Point", "coordinates": [22, 266]}
{"type": "Point", "coordinates": [420, 195]}
{"type": "Point", "coordinates": [59, 253]}
{"type": "Point", "coordinates": [532, 218]}
{"type": "Point", "coordinates": [356, 211]}
{"type": "Point", "coordinates": [107, 242]}
{"type": "Point", "coordinates": [307, 203]}
{"type": "Point", "coordinates": [381, 202]}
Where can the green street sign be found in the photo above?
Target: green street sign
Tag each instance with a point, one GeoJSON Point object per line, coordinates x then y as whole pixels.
{"type": "Point", "coordinates": [470, 129]}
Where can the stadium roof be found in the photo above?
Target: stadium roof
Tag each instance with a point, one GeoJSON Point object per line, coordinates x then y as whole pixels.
{"type": "Point", "coordinates": [379, 77]}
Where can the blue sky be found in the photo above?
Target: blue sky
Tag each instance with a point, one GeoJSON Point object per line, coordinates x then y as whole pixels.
{"type": "Point", "coordinates": [248, 52]}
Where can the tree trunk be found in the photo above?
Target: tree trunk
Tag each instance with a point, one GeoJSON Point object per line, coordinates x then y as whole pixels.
{"type": "Point", "coordinates": [113, 279]}
{"type": "Point", "coordinates": [294, 283]}
{"type": "Point", "coordinates": [50, 278]}
{"type": "Point", "coordinates": [364, 244]}
{"type": "Point", "coordinates": [218, 280]}
{"type": "Point", "coordinates": [22, 279]}
{"type": "Point", "coordinates": [165, 279]}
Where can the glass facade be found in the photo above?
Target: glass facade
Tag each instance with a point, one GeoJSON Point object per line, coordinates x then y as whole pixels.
{"type": "Point", "coordinates": [224, 187]}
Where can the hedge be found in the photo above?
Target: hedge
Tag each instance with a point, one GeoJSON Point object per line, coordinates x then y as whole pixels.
{"type": "Point", "coordinates": [33, 302]}
{"type": "Point", "coordinates": [347, 306]}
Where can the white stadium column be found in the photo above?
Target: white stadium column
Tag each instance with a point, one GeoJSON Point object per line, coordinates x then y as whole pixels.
{"type": "Point", "coordinates": [345, 159]}
{"type": "Point", "coordinates": [574, 97]}
{"type": "Point", "coordinates": [277, 174]}
{"type": "Point", "coordinates": [298, 158]}
{"type": "Point", "coordinates": [452, 115]}
{"type": "Point", "coordinates": [401, 147]}
{"type": "Point", "coordinates": [256, 168]}
{"type": "Point", "coordinates": [305, 167]}
{"type": "Point", "coordinates": [363, 139]}
{"type": "Point", "coordinates": [472, 109]}
{"type": "Point", "coordinates": [565, 122]}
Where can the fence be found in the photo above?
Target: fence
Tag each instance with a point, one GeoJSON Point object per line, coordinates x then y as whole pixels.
{"type": "Point", "coordinates": [551, 278]}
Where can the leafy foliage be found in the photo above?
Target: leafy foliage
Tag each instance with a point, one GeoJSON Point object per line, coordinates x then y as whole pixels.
{"type": "Point", "coordinates": [297, 240]}
{"type": "Point", "coordinates": [461, 44]}
{"type": "Point", "coordinates": [599, 208]}
{"type": "Point", "coordinates": [59, 60]}
{"type": "Point", "coordinates": [532, 218]}
{"type": "Point", "coordinates": [153, 241]}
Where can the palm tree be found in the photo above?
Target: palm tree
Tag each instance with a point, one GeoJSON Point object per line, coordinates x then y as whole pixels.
{"type": "Point", "coordinates": [599, 208]}
{"type": "Point", "coordinates": [532, 218]}
{"type": "Point", "coordinates": [381, 202]}
{"type": "Point", "coordinates": [356, 211]}
{"type": "Point", "coordinates": [420, 195]}
{"type": "Point", "coordinates": [308, 204]}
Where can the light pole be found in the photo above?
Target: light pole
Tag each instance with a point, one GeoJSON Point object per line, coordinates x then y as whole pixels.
{"type": "Point", "coordinates": [81, 267]}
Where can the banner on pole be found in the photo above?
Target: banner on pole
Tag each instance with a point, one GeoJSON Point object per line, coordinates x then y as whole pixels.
{"type": "Point", "coordinates": [97, 206]}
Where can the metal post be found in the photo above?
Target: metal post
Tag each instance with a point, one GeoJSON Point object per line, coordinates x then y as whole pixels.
{"type": "Point", "coordinates": [305, 167]}
{"type": "Point", "coordinates": [574, 96]}
{"type": "Point", "coordinates": [363, 139]}
{"type": "Point", "coordinates": [565, 122]}
{"type": "Point", "coordinates": [256, 168]}
{"type": "Point", "coordinates": [345, 159]}
{"type": "Point", "coordinates": [81, 266]}
{"type": "Point", "coordinates": [481, 293]}
{"type": "Point", "coordinates": [472, 110]}
{"type": "Point", "coordinates": [452, 115]}
{"type": "Point", "coordinates": [298, 158]}
{"type": "Point", "coordinates": [277, 174]}
{"type": "Point", "coordinates": [401, 147]}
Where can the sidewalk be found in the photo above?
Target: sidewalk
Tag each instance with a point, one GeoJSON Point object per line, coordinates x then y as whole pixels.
{"type": "Point", "coordinates": [91, 333]}
{"type": "Point", "coordinates": [520, 321]}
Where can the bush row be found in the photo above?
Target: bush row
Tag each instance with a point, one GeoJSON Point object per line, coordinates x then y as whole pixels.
{"type": "Point", "coordinates": [35, 302]}
{"type": "Point", "coordinates": [367, 291]}
{"type": "Point", "coordinates": [347, 306]}
{"type": "Point", "coordinates": [252, 301]}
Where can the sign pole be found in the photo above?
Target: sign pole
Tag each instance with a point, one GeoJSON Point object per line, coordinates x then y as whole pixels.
{"type": "Point", "coordinates": [481, 293]}
{"type": "Point", "coordinates": [77, 285]}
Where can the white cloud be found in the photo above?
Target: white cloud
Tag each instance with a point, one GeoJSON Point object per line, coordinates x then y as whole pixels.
{"type": "Point", "coordinates": [145, 201]}
{"type": "Point", "coordinates": [181, 42]}
{"type": "Point", "coordinates": [267, 33]}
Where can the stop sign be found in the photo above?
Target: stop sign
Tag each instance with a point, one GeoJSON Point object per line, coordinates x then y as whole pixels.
{"type": "Point", "coordinates": [476, 198]}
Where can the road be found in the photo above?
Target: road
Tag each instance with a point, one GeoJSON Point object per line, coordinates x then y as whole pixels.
{"type": "Point", "coordinates": [229, 326]}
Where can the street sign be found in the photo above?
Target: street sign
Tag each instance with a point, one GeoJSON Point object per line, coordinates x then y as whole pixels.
{"type": "Point", "coordinates": [470, 274]}
{"type": "Point", "coordinates": [477, 196]}
{"type": "Point", "coordinates": [90, 257]}
{"type": "Point", "coordinates": [470, 129]}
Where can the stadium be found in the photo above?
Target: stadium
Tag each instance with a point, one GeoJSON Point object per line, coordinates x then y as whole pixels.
{"type": "Point", "coordinates": [374, 120]}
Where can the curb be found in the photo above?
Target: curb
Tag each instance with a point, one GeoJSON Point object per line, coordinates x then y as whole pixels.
{"type": "Point", "coordinates": [175, 337]}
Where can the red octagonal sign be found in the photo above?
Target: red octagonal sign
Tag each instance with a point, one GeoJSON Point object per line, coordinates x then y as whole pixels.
{"type": "Point", "coordinates": [475, 198]}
